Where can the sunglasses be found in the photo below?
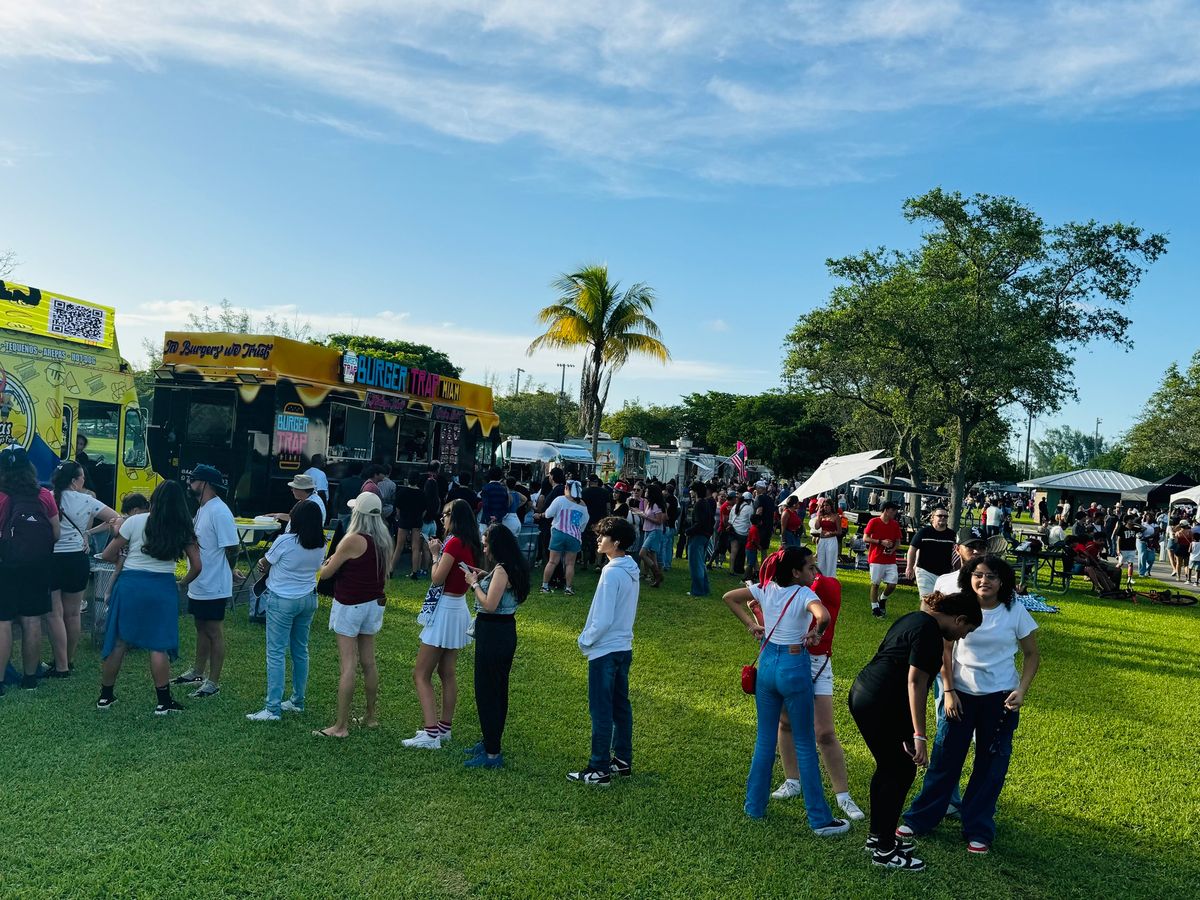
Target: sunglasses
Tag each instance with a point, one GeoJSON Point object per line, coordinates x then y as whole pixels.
{"type": "Point", "coordinates": [985, 576]}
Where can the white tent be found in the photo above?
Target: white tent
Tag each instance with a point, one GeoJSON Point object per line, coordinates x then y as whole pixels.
{"type": "Point", "coordinates": [837, 470]}
{"type": "Point", "coordinates": [1192, 494]}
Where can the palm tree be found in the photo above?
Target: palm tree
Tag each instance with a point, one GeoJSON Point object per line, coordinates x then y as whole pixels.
{"type": "Point", "coordinates": [611, 325]}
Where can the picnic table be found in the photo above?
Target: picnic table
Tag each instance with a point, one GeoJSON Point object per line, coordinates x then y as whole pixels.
{"type": "Point", "coordinates": [1050, 569]}
{"type": "Point", "coordinates": [251, 534]}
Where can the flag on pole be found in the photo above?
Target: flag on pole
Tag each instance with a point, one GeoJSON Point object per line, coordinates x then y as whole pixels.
{"type": "Point", "coordinates": [739, 459]}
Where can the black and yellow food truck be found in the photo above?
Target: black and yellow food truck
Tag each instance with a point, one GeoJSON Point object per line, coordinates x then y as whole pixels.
{"type": "Point", "coordinates": [260, 407]}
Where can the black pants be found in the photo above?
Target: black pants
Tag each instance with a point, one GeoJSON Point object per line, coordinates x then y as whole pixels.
{"type": "Point", "coordinates": [495, 646]}
{"type": "Point", "coordinates": [885, 725]}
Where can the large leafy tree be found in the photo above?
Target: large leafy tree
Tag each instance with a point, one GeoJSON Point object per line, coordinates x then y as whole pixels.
{"type": "Point", "coordinates": [654, 424]}
{"type": "Point", "coordinates": [1166, 437]}
{"type": "Point", "coordinates": [986, 314]}
{"type": "Point", "coordinates": [1063, 447]}
{"type": "Point", "coordinates": [608, 324]}
{"type": "Point", "coordinates": [535, 415]}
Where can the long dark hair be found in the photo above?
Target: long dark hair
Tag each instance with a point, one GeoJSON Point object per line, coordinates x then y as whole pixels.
{"type": "Point", "coordinates": [308, 525]}
{"type": "Point", "coordinates": [18, 477]}
{"type": "Point", "coordinates": [169, 527]}
{"type": "Point", "coordinates": [792, 558]}
{"type": "Point", "coordinates": [463, 526]}
{"type": "Point", "coordinates": [1008, 578]}
{"type": "Point", "coordinates": [654, 497]}
{"type": "Point", "coordinates": [62, 478]}
{"type": "Point", "coordinates": [503, 549]}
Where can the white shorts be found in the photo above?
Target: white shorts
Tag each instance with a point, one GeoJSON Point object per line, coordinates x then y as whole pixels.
{"type": "Point", "coordinates": [886, 573]}
{"type": "Point", "coordinates": [351, 621]}
{"type": "Point", "coordinates": [925, 582]}
{"type": "Point", "coordinates": [1128, 558]}
{"type": "Point", "coordinates": [823, 685]}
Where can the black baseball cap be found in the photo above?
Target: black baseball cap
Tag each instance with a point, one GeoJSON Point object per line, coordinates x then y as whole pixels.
{"type": "Point", "coordinates": [970, 534]}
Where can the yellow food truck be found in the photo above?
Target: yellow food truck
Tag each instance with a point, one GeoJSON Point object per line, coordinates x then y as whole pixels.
{"type": "Point", "coordinates": [66, 393]}
{"type": "Point", "coordinates": [259, 407]}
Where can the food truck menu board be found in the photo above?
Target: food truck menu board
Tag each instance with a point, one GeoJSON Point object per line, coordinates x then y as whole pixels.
{"type": "Point", "coordinates": [449, 421]}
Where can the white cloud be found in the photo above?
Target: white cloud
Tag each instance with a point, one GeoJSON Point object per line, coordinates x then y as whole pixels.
{"type": "Point", "coordinates": [717, 325]}
{"type": "Point", "coordinates": [707, 90]}
{"type": "Point", "coordinates": [477, 351]}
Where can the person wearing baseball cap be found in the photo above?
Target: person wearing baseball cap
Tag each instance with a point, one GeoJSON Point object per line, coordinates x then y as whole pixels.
{"type": "Point", "coordinates": [971, 543]}
{"type": "Point", "coordinates": [212, 590]}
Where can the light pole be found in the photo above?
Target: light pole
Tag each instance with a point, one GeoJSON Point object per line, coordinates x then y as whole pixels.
{"type": "Point", "coordinates": [1096, 442]}
{"type": "Point", "coordinates": [520, 372]}
{"type": "Point", "coordinates": [562, 393]}
{"type": "Point", "coordinates": [1028, 433]}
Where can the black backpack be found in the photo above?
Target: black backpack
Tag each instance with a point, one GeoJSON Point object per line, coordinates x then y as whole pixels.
{"type": "Point", "coordinates": [28, 538]}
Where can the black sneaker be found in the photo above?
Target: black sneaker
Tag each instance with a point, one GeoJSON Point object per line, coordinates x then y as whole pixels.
{"type": "Point", "coordinates": [105, 702]}
{"type": "Point", "coordinates": [902, 843]}
{"type": "Point", "coordinates": [897, 859]}
{"type": "Point", "coordinates": [620, 767]}
{"type": "Point", "coordinates": [832, 827]}
{"type": "Point", "coordinates": [55, 673]}
{"type": "Point", "coordinates": [29, 682]}
{"type": "Point", "coordinates": [593, 777]}
{"type": "Point", "coordinates": [877, 612]}
{"type": "Point", "coordinates": [171, 706]}
{"type": "Point", "coordinates": [188, 678]}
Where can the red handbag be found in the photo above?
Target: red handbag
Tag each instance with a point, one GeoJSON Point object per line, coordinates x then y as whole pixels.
{"type": "Point", "coordinates": [750, 672]}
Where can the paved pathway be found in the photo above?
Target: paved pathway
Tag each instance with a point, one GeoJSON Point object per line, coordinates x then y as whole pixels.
{"type": "Point", "coordinates": [1162, 571]}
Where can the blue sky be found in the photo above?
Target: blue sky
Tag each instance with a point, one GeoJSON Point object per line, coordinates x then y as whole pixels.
{"type": "Point", "coordinates": [424, 169]}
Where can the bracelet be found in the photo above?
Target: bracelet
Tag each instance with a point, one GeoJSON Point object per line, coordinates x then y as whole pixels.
{"type": "Point", "coordinates": [920, 737]}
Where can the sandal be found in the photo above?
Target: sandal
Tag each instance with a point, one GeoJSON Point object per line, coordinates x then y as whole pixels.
{"type": "Point", "coordinates": [324, 732]}
{"type": "Point", "coordinates": [361, 722]}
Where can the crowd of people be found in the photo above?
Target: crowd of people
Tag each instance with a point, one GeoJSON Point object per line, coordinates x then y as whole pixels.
{"type": "Point", "coordinates": [961, 643]}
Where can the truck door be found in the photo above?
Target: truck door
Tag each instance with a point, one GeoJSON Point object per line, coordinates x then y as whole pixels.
{"type": "Point", "coordinates": [97, 433]}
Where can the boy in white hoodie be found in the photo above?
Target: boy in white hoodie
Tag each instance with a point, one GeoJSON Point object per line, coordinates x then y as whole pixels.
{"type": "Point", "coordinates": [607, 641]}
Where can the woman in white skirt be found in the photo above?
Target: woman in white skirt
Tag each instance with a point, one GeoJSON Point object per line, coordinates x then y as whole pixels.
{"type": "Point", "coordinates": [829, 527]}
{"type": "Point", "coordinates": [361, 563]}
{"type": "Point", "coordinates": [446, 633]}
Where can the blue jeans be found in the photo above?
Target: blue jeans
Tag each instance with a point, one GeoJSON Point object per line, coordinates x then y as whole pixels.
{"type": "Point", "coordinates": [984, 718]}
{"type": "Point", "coordinates": [791, 539]}
{"type": "Point", "coordinates": [608, 705]}
{"type": "Point", "coordinates": [288, 621]}
{"type": "Point", "coordinates": [785, 678]}
{"type": "Point", "coordinates": [1145, 558]}
{"type": "Point", "coordinates": [935, 752]}
{"type": "Point", "coordinates": [697, 551]}
{"type": "Point", "coordinates": [668, 549]}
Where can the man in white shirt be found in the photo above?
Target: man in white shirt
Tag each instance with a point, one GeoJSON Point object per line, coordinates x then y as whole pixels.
{"type": "Point", "coordinates": [316, 471]}
{"type": "Point", "coordinates": [303, 488]}
{"type": "Point", "coordinates": [1057, 533]}
{"type": "Point", "coordinates": [212, 590]}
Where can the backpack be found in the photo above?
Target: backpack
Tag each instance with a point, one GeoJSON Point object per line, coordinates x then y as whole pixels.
{"type": "Point", "coordinates": [28, 538]}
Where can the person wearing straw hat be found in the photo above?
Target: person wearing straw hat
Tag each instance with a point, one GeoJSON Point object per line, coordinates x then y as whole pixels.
{"type": "Point", "coordinates": [303, 488]}
{"type": "Point", "coordinates": [210, 593]}
{"type": "Point", "coordinates": [361, 565]}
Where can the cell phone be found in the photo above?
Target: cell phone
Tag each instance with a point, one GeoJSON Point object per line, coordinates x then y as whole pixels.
{"type": "Point", "coordinates": [909, 747]}
{"type": "Point", "coordinates": [466, 569]}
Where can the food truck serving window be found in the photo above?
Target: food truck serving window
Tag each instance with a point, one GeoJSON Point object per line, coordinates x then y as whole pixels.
{"type": "Point", "coordinates": [349, 432]}
{"type": "Point", "coordinates": [135, 439]}
{"type": "Point", "coordinates": [98, 423]}
{"type": "Point", "coordinates": [210, 423]}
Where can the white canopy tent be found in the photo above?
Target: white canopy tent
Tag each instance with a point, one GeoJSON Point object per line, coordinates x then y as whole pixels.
{"type": "Point", "coordinates": [837, 470]}
{"type": "Point", "coordinates": [1192, 494]}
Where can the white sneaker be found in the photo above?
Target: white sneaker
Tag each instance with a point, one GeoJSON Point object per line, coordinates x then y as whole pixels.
{"type": "Point", "coordinates": [787, 790]}
{"type": "Point", "coordinates": [422, 741]}
{"type": "Point", "coordinates": [850, 808]}
{"type": "Point", "coordinates": [289, 706]}
{"type": "Point", "coordinates": [444, 737]}
{"type": "Point", "coordinates": [263, 715]}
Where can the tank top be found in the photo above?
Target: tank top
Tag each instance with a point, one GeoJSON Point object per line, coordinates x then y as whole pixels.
{"type": "Point", "coordinates": [359, 580]}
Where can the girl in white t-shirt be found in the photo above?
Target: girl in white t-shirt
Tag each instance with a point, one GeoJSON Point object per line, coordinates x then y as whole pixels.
{"type": "Point", "coordinates": [71, 569]}
{"type": "Point", "coordinates": [983, 694]}
{"type": "Point", "coordinates": [789, 609]}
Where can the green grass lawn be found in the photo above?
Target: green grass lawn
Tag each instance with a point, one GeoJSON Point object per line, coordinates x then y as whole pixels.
{"type": "Point", "coordinates": [1101, 800]}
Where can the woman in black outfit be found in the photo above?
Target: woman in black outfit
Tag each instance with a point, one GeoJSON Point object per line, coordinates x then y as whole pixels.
{"type": "Point", "coordinates": [497, 593]}
{"type": "Point", "coordinates": [888, 704]}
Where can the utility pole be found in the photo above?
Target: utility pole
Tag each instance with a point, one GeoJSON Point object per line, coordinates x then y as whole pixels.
{"type": "Point", "coordinates": [1096, 444]}
{"type": "Point", "coordinates": [562, 396]}
{"type": "Point", "coordinates": [520, 372]}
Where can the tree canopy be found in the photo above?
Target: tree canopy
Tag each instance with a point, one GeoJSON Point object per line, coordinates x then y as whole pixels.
{"type": "Point", "coordinates": [534, 415]}
{"type": "Point", "coordinates": [1166, 437]}
{"type": "Point", "coordinates": [984, 315]}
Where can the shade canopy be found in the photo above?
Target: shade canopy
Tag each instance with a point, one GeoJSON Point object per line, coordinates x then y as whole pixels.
{"type": "Point", "coordinates": [1159, 493]}
{"type": "Point", "coordinates": [1191, 495]}
{"type": "Point", "coordinates": [837, 470]}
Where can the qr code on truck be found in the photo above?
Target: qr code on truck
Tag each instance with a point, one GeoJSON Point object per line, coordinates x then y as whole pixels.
{"type": "Point", "coordinates": [74, 320]}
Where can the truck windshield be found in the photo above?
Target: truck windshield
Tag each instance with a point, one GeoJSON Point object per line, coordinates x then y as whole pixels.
{"type": "Point", "coordinates": [98, 424]}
